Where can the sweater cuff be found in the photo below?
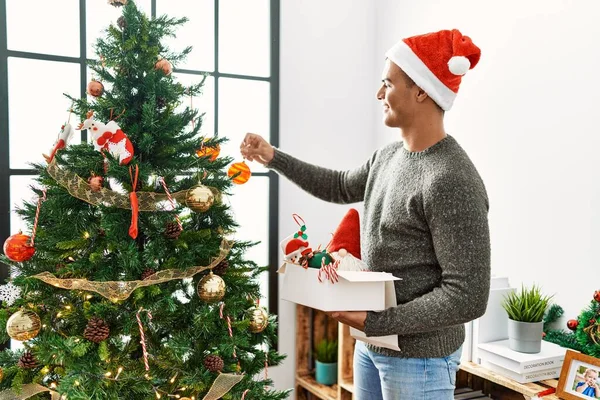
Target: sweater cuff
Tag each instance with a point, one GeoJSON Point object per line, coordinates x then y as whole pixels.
{"type": "Point", "coordinates": [373, 324]}
{"type": "Point", "coordinates": [280, 161]}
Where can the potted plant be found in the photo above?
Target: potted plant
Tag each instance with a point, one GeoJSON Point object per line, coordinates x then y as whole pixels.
{"type": "Point", "coordinates": [326, 353]}
{"type": "Point", "coordinates": [525, 313]}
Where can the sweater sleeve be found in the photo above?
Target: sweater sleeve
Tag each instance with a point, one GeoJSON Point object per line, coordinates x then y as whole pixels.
{"type": "Point", "coordinates": [326, 184]}
{"type": "Point", "coordinates": [456, 211]}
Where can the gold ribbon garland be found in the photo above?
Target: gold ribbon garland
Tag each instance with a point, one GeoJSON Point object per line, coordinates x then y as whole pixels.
{"type": "Point", "coordinates": [222, 385]}
{"type": "Point", "coordinates": [121, 290]}
{"type": "Point", "coordinates": [27, 391]}
{"type": "Point", "coordinates": [79, 188]}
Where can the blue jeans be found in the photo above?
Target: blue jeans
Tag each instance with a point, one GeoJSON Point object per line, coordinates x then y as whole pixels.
{"type": "Point", "coordinates": [378, 377]}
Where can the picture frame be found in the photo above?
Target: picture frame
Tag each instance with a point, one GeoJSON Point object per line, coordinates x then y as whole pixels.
{"type": "Point", "coordinates": [579, 377]}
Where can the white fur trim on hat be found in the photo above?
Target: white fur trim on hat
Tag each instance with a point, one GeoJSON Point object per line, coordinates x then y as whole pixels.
{"type": "Point", "coordinates": [459, 65]}
{"type": "Point", "coordinates": [403, 56]}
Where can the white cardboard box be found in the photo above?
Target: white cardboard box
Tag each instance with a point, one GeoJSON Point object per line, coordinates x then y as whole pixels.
{"type": "Point", "coordinates": [355, 291]}
{"type": "Point", "coordinates": [551, 356]}
{"type": "Point", "coordinates": [527, 377]}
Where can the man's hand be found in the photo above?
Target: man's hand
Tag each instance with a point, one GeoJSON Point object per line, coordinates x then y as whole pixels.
{"type": "Point", "coordinates": [255, 148]}
{"type": "Point", "coordinates": [355, 319]}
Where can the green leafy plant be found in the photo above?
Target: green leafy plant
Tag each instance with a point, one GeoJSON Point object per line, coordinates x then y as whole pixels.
{"type": "Point", "coordinates": [528, 305]}
{"type": "Point", "coordinates": [326, 351]}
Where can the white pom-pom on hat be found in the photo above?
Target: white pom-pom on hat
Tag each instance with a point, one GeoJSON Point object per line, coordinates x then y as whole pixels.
{"type": "Point", "coordinates": [459, 65]}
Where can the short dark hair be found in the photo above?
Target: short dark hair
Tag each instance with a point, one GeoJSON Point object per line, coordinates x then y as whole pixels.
{"type": "Point", "coordinates": [407, 80]}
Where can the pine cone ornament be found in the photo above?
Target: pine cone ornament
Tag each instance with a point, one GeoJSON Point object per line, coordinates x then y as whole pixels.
{"type": "Point", "coordinates": [147, 273]}
{"type": "Point", "coordinates": [172, 231]}
{"type": "Point", "coordinates": [27, 361]}
{"type": "Point", "coordinates": [221, 268]}
{"type": "Point", "coordinates": [121, 22]}
{"type": "Point", "coordinates": [214, 363]}
{"type": "Point", "coordinates": [96, 330]}
{"type": "Point", "coordinates": [161, 102]}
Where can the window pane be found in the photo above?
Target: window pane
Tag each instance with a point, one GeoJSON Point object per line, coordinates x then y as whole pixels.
{"type": "Point", "coordinates": [250, 208]}
{"type": "Point", "coordinates": [36, 118]}
{"type": "Point", "coordinates": [244, 37]}
{"type": "Point", "coordinates": [198, 32]}
{"type": "Point", "coordinates": [99, 15]}
{"type": "Point", "coordinates": [20, 191]}
{"type": "Point", "coordinates": [205, 103]}
{"type": "Point", "coordinates": [46, 27]}
{"type": "Point", "coordinates": [243, 107]}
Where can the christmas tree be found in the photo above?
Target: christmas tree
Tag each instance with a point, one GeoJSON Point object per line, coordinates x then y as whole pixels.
{"type": "Point", "coordinates": [129, 285]}
{"type": "Point", "coordinates": [584, 332]}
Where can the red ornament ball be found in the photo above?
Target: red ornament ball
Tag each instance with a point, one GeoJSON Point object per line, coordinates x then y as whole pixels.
{"type": "Point", "coordinates": [164, 65]}
{"type": "Point", "coordinates": [242, 169]}
{"type": "Point", "coordinates": [95, 88]}
{"type": "Point", "coordinates": [592, 321]}
{"type": "Point", "coordinates": [572, 324]}
{"type": "Point", "coordinates": [17, 248]}
{"type": "Point", "coordinates": [597, 296]}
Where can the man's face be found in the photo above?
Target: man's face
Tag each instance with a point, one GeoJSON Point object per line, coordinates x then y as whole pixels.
{"type": "Point", "coordinates": [398, 96]}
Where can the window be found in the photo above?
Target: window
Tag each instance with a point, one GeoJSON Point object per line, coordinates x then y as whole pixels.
{"type": "Point", "coordinates": [236, 42]}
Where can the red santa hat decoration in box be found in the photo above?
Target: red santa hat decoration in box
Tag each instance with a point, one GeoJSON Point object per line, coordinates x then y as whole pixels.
{"type": "Point", "coordinates": [343, 251]}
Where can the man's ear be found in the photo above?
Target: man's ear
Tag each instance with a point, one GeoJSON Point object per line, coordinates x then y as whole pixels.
{"type": "Point", "coordinates": [421, 95]}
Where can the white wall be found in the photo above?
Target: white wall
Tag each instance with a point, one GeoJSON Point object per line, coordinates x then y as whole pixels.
{"type": "Point", "coordinates": [527, 117]}
{"type": "Point", "coordinates": [327, 117]}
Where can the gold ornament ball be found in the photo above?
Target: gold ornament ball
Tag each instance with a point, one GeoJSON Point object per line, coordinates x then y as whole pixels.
{"type": "Point", "coordinates": [199, 198]}
{"type": "Point", "coordinates": [184, 398]}
{"type": "Point", "coordinates": [259, 319]}
{"type": "Point", "coordinates": [1, 374]}
{"type": "Point", "coordinates": [23, 325]}
{"type": "Point", "coordinates": [211, 288]}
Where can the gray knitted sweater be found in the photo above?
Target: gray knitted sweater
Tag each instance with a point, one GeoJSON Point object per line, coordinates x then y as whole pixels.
{"type": "Point", "coordinates": [425, 221]}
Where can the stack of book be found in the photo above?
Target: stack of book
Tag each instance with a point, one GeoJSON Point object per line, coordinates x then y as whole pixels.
{"type": "Point", "coordinates": [522, 367]}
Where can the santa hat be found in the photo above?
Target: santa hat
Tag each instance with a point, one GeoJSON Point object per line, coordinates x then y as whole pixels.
{"type": "Point", "coordinates": [436, 62]}
{"type": "Point", "coordinates": [294, 245]}
{"type": "Point", "coordinates": [347, 235]}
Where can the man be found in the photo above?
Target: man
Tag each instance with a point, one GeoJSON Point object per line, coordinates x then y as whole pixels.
{"type": "Point", "coordinates": [425, 221]}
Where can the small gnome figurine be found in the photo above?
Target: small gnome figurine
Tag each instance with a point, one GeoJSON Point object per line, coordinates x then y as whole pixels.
{"type": "Point", "coordinates": [345, 245]}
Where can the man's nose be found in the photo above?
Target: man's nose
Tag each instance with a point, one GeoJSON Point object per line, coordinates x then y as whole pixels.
{"type": "Point", "coordinates": [379, 93]}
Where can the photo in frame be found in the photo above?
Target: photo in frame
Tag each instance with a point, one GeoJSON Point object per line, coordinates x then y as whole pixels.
{"type": "Point", "coordinates": [579, 377]}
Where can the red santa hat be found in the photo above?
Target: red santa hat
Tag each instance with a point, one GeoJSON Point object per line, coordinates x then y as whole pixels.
{"type": "Point", "coordinates": [294, 245]}
{"type": "Point", "coordinates": [347, 235]}
{"type": "Point", "coordinates": [436, 62]}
